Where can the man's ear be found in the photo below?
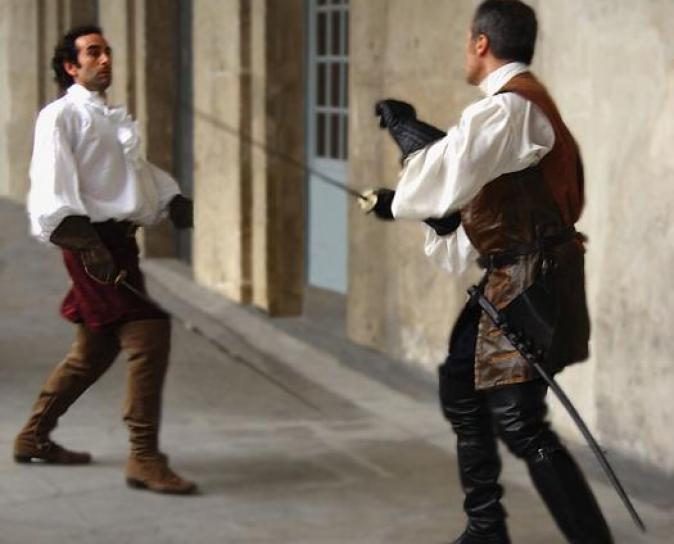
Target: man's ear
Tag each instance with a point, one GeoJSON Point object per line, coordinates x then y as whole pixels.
{"type": "Point", "coordinates": [70, 68]}
{"type": "Point", "coordinates": [482, 45]}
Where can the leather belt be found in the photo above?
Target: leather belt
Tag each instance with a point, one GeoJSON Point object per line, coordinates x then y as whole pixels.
{"type": "Point", "coordinates": [499, 259]}
{"type": "Point", "coordinates": [127, 229]}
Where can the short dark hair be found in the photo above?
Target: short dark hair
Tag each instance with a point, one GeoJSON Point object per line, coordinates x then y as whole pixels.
{"type": "Point", "coordinates": [66, 51]}
{"type": "Point", "coordinates": [511, 27]}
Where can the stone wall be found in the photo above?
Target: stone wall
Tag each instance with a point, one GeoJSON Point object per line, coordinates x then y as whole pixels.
{"type": "Point", "coordinates": [248, 92]}
{"type": "Point", "coordinates": [18, 101]}
{"type": "Point", "coordinates": [29, 30]}
{"type": "Point", "coordinates": [609, 64]}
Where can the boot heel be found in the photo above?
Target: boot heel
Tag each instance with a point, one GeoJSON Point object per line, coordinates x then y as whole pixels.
{"type": "Point", "coordinates": [25, 459]}
{"type": "Point", "coordinates": [135, 484]}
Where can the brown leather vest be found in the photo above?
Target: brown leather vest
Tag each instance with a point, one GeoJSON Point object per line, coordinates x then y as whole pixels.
{"type": "Point", "coordinates": [516, 209]}
{"type": "Point", "coordinates": [519, 207]}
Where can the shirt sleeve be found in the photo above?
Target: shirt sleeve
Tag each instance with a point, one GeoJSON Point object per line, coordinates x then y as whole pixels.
{"type": "Point", "coordinates": [496, 135]}
{"type": "Point", "coordinates": [164, 184]}
{"type": "Point", "coordinates": [452, 253]}
{"type": "Point", "coordinates": [54, 185]}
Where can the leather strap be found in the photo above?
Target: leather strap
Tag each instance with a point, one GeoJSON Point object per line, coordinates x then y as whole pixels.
{"type": "Point", "coordinates": [505, 258]}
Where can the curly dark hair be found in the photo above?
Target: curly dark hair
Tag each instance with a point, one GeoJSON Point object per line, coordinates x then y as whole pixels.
{"type": "Point", "coordinates": [511, 26]}
{"type": "Point", "coordinates": [66, 51]}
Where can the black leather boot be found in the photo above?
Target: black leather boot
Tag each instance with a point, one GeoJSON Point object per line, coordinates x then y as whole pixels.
{"type": "Point", "coordinates": [479, 465]}
{"type": "Point", "coordinates": [479, 469]}
{"type": "Point", "coordinates": [467, 411]}
{"type": "Point", "coordinates": [520, 412]}
{"type": "Point", "coordinates": [567, 495]}
{"type": "Point", "coordinates": [500, 537]}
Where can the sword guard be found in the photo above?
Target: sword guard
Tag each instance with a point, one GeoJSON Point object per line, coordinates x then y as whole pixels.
{"type": "Point", "coordinates": [368, 201]}
{"type": "Point", "coordinates": [121, 276]}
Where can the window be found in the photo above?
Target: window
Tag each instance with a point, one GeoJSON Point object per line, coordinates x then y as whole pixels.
{"type": "Point", "coordinates": [330, 73]}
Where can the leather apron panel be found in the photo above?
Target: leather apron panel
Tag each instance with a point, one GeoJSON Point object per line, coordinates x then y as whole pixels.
{"type": "Point", "coordinates": [515, 210]}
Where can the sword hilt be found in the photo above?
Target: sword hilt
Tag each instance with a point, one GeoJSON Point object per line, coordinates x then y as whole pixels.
{"type": "Point", "coordinates": [367, 201]}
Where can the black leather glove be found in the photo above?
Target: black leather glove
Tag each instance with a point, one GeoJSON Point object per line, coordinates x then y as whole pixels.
{"type": "Point", "coordinates": [409, 133]}
{"type": "Point", "coordinates": [181, 212]}
{"type": "Point", "coordinates": [444, 225]}
{"type": "Point", "coordinates": [391, 112]}
{"type": "Point", "coordinates": [382, 208]}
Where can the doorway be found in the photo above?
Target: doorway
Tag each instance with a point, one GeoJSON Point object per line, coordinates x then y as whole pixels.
{"type": "Point", "coordinates": [327, 144]}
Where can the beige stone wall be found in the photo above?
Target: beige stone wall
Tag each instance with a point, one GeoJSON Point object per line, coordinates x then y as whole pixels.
{"type": "Point", "coordinates": [609, 63]}
{"type": "Point", "coordinates": [114, 18]}
{"type": "Point", "coordinates": [397, 301]}
{"type": "Point", "coordinates": [18, 101]}
{"type": "Point", "coordinates": [217, 177]}
{"type": "Point", "coordinates": [29, 30]}
{"type": "Point", "coordinates": [614, 80]}
{"type": "Point", "coordinates": [248, 110]}
{"type": "Point", "coordinates": [277, 106]}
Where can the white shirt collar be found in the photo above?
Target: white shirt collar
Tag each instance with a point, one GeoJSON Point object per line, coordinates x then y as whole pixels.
{"type": "Point", "coordinates": [498, 78]}
{"type": "Point", "coordinates": [79, 93]}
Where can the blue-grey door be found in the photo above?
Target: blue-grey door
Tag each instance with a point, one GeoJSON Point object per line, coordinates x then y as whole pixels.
{"type": "Point", "coordinates": [327, 122]}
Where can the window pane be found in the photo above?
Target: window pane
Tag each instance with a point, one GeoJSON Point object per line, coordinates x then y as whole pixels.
{"type": "Point", "coordinates": [334, 135]}
{"type": "Point", "coordinates": [322, 34]}
{"type": "Point", "coordinates": [320, 135]}
{"type": "Point", "coordinates": [335, 84]}
{"type": "Point", "coordinates": [336, 31]}
{"type": "Point", "coordinates": [345, 137]}
{"type": "Point", "coordinates": [345, 45]}
{"type": "Point", "coordinates": [321, 84]}
{"type": "Point", "coordinates": [345, 78]}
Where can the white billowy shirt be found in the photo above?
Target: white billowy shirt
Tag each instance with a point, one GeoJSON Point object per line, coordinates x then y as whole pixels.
{"type": "Point", "coordinates": [501, 133]}
{"type": "Point", "coordinates": [87, 161]}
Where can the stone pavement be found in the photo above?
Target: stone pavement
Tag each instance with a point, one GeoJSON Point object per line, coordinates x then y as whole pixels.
{"type": "Point", "coordinates": [290, 441]}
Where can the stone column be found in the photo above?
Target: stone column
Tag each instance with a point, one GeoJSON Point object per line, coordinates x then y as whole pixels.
{"type": "Point", "coordinates": [54, 18]}
{"type": "Point", "coordinates": [117, 21]}
{"type": "Point", "coordinates": [398, 301]}
{"type": "Point", "coordinates": [221, 246]}
{"type": "Point", "coordinates": [82, 12]}
{"type": "Point", "coordinates": [50, 29]}
{"type": "Point", "coordinates": [366, 316]}
{"type": "Point", "coordinates": [19, 98]}
{"type": "Point", "coordinates": [278, 183]}
{"type": "Point", "coordinates": [156, 83]}
{"type": "Point", "coordinates": [142, 34]}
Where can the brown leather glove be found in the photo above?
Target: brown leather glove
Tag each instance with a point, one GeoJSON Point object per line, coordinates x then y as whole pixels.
{"type": "Point", "coordinates": [181, 212]}
{"type": "Point", "coordinates": [100, 265]}
{"type": "Point", "coordinates": [76, 233]}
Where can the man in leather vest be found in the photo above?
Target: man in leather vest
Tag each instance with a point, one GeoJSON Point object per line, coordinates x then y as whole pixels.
{"type": "Point", "coordinates": [505, 187]}
{"type": "Point", "coordinates": [90, 190]}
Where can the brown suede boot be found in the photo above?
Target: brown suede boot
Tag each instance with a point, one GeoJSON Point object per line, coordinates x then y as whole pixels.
{"type": "Point", "coordinates": [27, 450]}
{"type": "Point", "coordinates": [90, 355]}
{"type": "Point", "coordinates": [147, 344]}
{"type": "Point", "coordinates": [32, 444]}
{"type": "Point", "coordinates": [154, 474]}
